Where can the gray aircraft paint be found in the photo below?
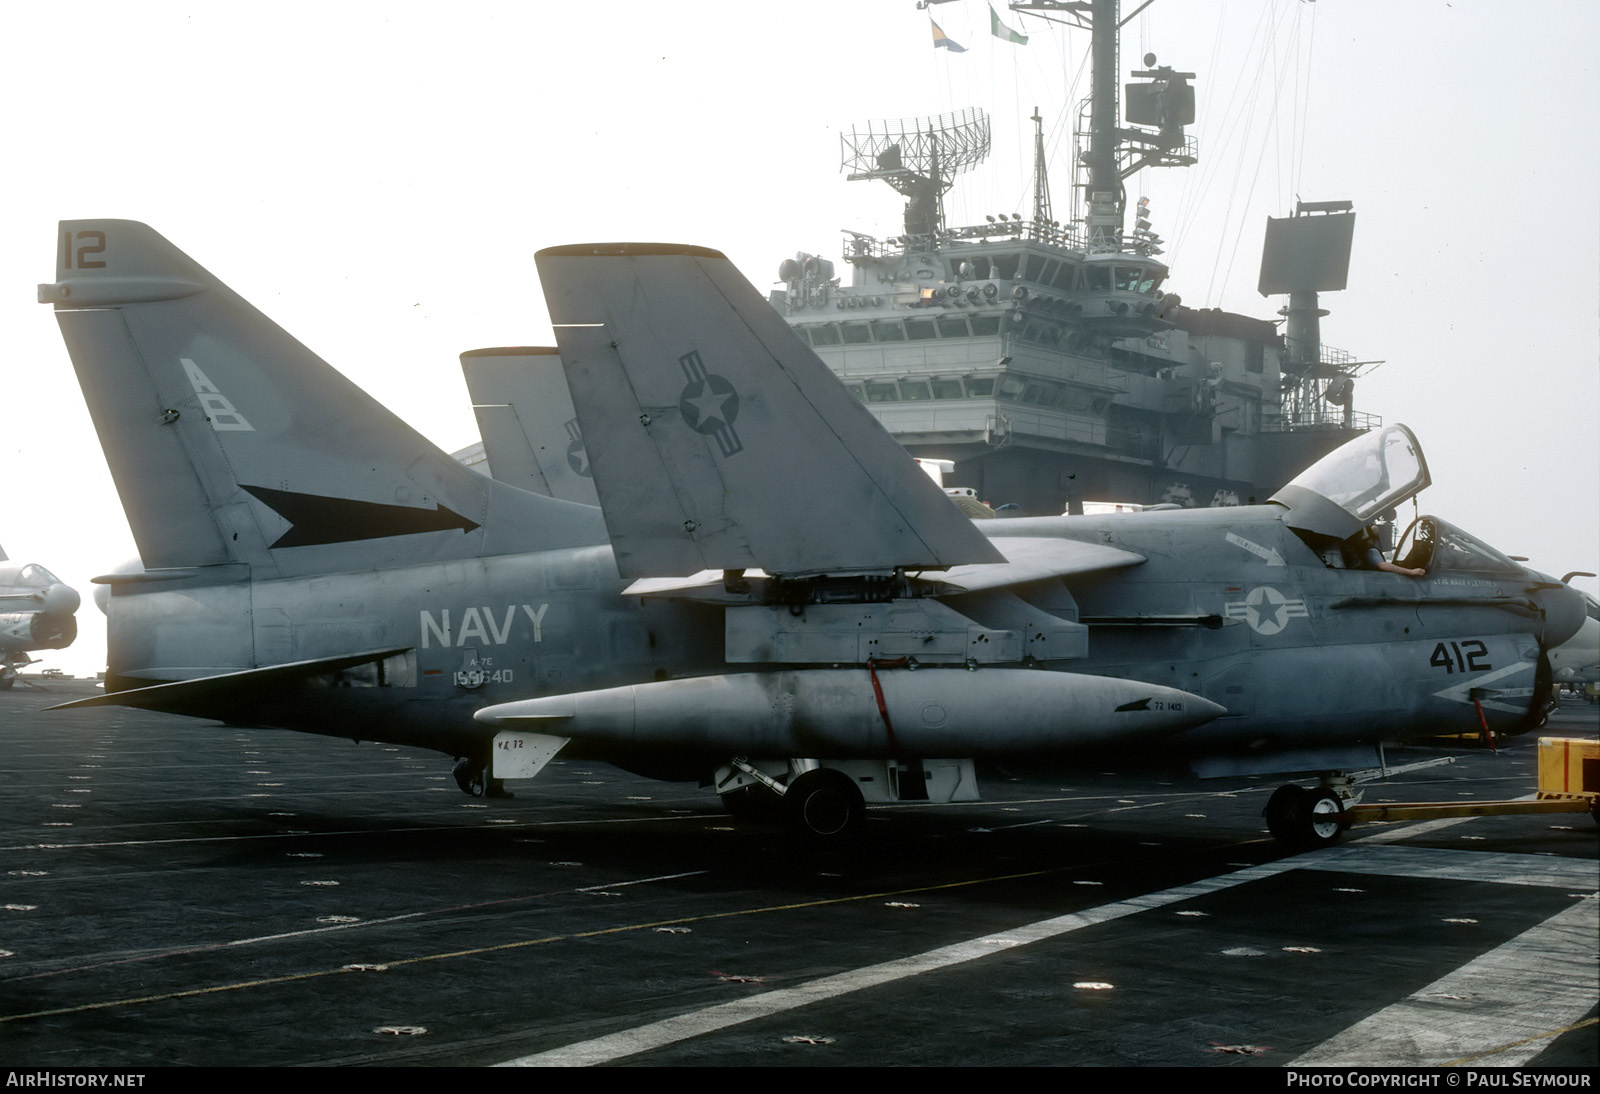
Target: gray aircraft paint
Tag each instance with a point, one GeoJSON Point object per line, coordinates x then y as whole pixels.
{"type": "Point", "coordinates": [36, 613]}
{"type": "Point", "coordinates": [714, 430]}
{"type": "Point", "coordinates": [530, 431]}
{"type": "Point", "coordinates": [282, 589]}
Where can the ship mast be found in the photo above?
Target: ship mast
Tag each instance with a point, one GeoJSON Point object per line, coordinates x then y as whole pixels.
{"type": "Point", "coordinates": [1109, 151]}
{"type": "Point", "coordinates": [1104, 184]}
{"type": "Point", "coordinates": [1041, 183]}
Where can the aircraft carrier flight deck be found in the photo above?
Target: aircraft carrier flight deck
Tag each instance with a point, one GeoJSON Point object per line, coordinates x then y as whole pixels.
{"type": "Point", "coordinates": [182, 893]}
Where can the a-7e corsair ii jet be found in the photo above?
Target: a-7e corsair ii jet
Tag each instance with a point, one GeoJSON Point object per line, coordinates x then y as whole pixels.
{"type": "Point", "coordinates": [36, 613]}
{"type": "Point", "coordinates": [312, 563]}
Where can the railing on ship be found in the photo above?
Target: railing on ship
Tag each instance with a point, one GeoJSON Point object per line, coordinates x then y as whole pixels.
{"type": "Point", "coordinates": [1333, 418]}
{"type": "Point", "coordinates": [1053, 233]}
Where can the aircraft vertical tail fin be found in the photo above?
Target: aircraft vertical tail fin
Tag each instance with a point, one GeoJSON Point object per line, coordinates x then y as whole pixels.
{"type": "Point", "coordinates": [230, 442]}
{"type": "Point", "coordinates": [718, 439]}
{"type": "Point", "coordinates": [525, 416]}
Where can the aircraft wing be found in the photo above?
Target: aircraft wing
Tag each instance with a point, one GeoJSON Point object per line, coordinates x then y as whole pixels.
{"type": "Point", "coordinates": [718, 440]}
{"type": "Point", "coordinates": [1027, 559]}
{"type": "Point", "coordinates": [233, 685]}
{"type": "Point", "coordinates": [1035, 558]}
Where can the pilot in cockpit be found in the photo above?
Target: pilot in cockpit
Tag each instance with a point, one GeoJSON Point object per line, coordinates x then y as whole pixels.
{"type": "Point", "coordinates": [1361, 553]}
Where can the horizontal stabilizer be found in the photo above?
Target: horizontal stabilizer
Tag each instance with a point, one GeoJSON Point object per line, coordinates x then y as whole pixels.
{"type": "Point", "coordinates": [182, 693]}
{"type": "Point", "coordinates": [718, 439]}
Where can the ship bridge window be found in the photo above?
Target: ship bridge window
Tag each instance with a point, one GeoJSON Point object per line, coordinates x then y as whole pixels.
{"type": "Point", "coordinates": [915, 391]}
{"type": "Point", "coordinates": [1066, 278]}
{"type": "Point", "coordinates": [1046, 334]}
{"type": "Point", "coordinates": [1004, 266]}
{"type": "Point", "coordinates": [1035, 268]}
{"type": "Point", "coordinates": [1042, 394]}
{"type": "Point", "coordinates": [985, 324]}
{"type": "Point", "coordinates": [953, 326]}
{"type": "Point", "coordinates": [980, 266]}
{"type": "Point", "coordinates": [919, 329]}
{"type": "Point", "coordinates": [980, 387]}
{"type": "Point", "coordinates": [1011, 388]}
{"type": "Point", "coordinates": [888, 330]}
{"type": "Point", "coordinates": [882, 391]}
{"type": "Point", "coordinates": [1097, 279]}
{"type": "Point", "coordinates": [945, 388]}
{"type": "Point", "coordinates": [1137, 279]}
{"type": "Point", "coordinates": [824, 334]}
{"type": "Point", "coordinates": [855, 333]}
{"type": "Point", "coordinates": [855, 389]}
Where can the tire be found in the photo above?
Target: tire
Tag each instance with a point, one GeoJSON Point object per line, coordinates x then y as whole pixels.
{"type": "Point", "coordinates": [469, 777]}
{"type": "Point", "coordinates": [1321, 828]}
{"type": "Point", "coordinates": [825, 805]}
{"type": "Point", "coordinates": [1300, 818]}
{"type": "Point", "coordinates": [1283, 813]}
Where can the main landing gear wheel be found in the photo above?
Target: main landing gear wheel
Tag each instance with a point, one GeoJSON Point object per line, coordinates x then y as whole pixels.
{"type": "Point", "coordinates": [1304, 818]}
{"type": "Point", "coordinates": [469, 777]}
{"type": "Point", "coordinates": [826, 805]}
{"type": "Point", "coordinates": [474, 780]}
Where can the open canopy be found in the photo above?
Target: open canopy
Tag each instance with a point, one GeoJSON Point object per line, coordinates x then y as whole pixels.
{"type": "Point", "coordinates": [1352, 485]}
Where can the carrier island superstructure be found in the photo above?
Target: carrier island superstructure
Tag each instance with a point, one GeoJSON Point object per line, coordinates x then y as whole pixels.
{"type": "Point", "coordinates": [1048, 359]}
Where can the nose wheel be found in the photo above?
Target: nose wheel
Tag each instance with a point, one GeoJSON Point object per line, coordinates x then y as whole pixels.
{"type": "Point", "coordinates": [1305, 819]}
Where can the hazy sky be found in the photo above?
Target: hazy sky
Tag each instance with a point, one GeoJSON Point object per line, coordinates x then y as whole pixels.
{"type": "Point", "coordinates": [376, 177]}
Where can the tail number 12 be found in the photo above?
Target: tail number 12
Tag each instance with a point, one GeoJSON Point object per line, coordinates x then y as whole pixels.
{"type": "Point", "coordinates": [91, 241]}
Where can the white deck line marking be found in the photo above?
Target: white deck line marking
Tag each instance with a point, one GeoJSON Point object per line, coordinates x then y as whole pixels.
{"type": "Point", "coordinates": [1413, 862]}
{"type": "Point", "coordinates": [1546, 871]}
{"type": "Point", "coordinates": [1537, 983]}
{"type": "Point", "coordinates": [668, 1031]}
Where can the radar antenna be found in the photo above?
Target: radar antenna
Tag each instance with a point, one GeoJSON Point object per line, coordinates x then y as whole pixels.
{"type": "Point", "coordinates": [920, 158]}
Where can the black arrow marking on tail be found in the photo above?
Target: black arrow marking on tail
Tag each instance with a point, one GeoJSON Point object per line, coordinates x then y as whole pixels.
{"type": "Point", "coordinates": [315, 519]}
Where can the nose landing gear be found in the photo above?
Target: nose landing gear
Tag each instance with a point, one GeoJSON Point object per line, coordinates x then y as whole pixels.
{"type": "Point", "coordinates": [1306, 819]}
